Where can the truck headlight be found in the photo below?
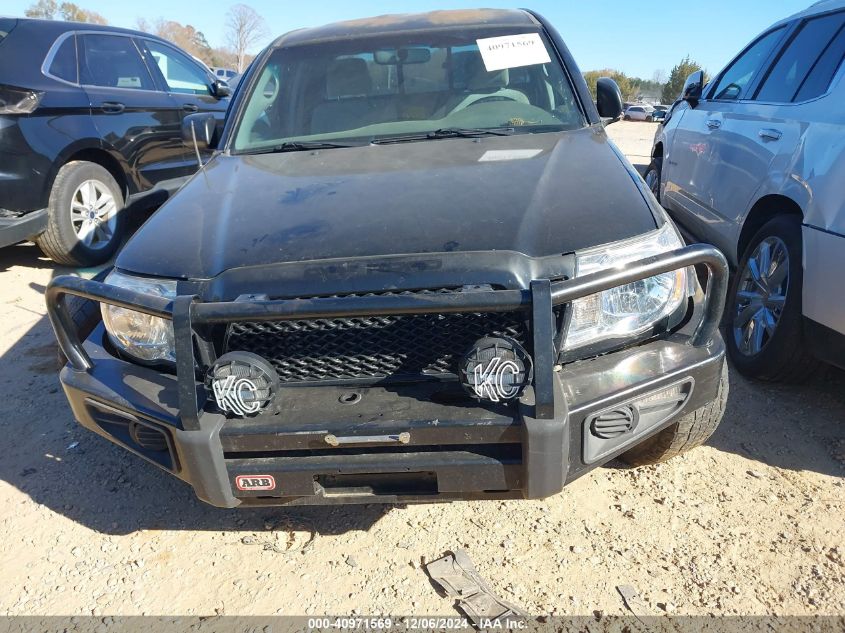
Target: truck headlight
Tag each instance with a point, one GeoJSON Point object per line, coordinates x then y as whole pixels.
{"type": "Point", "coordinates": [631, 309]}
{"type": "Point", "coordinates": [142, 336]}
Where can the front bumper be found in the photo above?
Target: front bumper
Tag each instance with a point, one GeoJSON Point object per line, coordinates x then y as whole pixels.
{"type": "Point", "coordinates": [396, 443]}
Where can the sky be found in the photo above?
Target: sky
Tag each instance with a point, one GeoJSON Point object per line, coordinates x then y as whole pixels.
{"type": "Point", "coordinates": [637, 37]}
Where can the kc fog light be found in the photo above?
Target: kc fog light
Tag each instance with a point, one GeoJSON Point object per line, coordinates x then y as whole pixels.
{"type": "Point", "coordinates": [242, 383]}
{"type": "Point", "coordinates": [496, 369]}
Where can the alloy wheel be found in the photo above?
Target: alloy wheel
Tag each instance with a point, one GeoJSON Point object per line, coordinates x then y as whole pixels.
{"type": "Point", "coordinates": [761, 296]}
{"type": "Point", "coordinates": [93, 213]}
{"type": "Point", "coordinates": [653, 182]}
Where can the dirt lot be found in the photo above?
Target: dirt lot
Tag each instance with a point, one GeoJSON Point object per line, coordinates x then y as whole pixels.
{"type": "Point", "coordinates": [752, 523]}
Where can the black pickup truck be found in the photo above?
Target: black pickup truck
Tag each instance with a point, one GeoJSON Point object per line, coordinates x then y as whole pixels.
{"type": "Point", "coordinates": [415, 269]}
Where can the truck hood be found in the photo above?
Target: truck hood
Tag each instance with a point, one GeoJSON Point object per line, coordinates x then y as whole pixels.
{"type": "Point", "coordinates": [535, 194]}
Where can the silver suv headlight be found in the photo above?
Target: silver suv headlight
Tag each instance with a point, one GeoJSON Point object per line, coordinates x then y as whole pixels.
{"type": "Point", "coordinates": [631, 309]}
{"type": "Point", "coordinates": [145, 337]}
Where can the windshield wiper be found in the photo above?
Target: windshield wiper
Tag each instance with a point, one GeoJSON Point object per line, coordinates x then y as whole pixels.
{"type": "Point", "coordinates": [299, 146]}
{"type": "Point", "coordinates": [446, 132]}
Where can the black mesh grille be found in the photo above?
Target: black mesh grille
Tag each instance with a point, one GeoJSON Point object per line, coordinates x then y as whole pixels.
{"type": "Point", "coordinates": [381, 347]}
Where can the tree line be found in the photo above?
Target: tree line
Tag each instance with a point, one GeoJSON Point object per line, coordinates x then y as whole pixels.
{"type": "Point", "coordinates": [661, 88]}
{"type": "Point", "coordinates": [244, 30]}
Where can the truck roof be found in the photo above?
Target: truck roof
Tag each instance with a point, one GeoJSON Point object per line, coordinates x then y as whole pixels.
{"type": "Point", "coordinates": [407, 23]}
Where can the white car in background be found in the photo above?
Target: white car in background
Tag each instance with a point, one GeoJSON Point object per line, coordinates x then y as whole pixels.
{"type": "Point", "coordinates": [229, 75]}
{"type": "Point", "coordinates": [754, 163]}
{"type": "Point", "coordinates": [639, 113]}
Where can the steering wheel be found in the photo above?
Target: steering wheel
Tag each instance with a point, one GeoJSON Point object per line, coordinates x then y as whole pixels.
{"type": "Point", "coordinates": [491, 99]}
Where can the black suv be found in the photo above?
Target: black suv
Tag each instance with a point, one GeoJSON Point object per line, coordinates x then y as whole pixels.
{"type": "Point", "coordinates": [415, 269]}
{"type": "Point", "coordinates": [90, 120]}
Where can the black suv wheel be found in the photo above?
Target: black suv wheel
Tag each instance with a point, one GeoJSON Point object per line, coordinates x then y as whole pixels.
{"type": "Point", "coordinates": [85, 222]}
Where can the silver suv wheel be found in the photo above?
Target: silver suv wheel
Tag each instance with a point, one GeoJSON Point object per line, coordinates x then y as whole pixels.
{"type": "Point", "coordinates": [93, 213]}
{"type": "Point", "coordinates": [652, 179]}
{"type": "Point", "coordinates": [761, 296]}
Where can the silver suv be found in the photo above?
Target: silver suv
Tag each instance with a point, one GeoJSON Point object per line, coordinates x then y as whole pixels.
{"type": "Point", "coordinates": [754, 162]}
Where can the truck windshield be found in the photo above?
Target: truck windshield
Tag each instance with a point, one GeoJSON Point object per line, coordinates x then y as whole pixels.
{"type": "Point", "coordinates": [360, 90]}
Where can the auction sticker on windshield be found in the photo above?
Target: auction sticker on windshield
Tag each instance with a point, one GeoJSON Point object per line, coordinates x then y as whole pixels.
{"type": "Point", "coordinates": [512, 51]}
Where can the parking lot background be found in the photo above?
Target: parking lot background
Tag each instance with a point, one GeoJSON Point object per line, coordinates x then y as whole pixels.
{"type": "Point", "coordinates": [752, 523]}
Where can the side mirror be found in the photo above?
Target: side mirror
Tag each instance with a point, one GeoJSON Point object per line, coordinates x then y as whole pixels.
{"type": "Point", "coordinates": [220, 89]}
{"type": "Point", "coordinates": [693, 88]}
{"type": "Point", "coordinates": [608, 99]}
{"type": "Point", "coordinates": [198, 130]}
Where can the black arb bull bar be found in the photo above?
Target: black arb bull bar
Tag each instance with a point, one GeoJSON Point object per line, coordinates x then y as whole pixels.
{"type": "Point", "coordinates": [542, 432]}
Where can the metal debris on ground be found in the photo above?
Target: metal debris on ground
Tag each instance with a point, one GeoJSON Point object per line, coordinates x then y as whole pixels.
{"type": "Point", "coordinates": [457, 577]}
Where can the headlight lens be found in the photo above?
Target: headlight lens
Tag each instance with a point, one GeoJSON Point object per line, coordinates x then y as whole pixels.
{"type": "Point", "coordinates": [633, 308]}
{"type": "Point", "coordinates": [145, 337]}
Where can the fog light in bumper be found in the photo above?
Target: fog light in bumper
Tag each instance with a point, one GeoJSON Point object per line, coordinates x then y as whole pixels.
{"type": "Point", "coordinates": [242, 383]}
{"type": "Point", "coordinates": [496, 369]}
{"type": "Point", "coordinates": [669, 397]}
{"type": "Point", "coordinates": [621, 425]}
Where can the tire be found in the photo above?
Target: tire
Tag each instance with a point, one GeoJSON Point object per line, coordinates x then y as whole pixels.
{"type": "Point", "coordinates": [78, 233]}
{"type": "Point", "coordinates": [772, 348]}
{"type": "Point", "coordinates": [626, 118]}
{"type": "Point", "coordinates": [690, 431]}
{"type": "Point", "coordinates": [84, 313]}
{"type": "Point", "coordinates": [654, 172]}
{"type": "Point", "coordinates": [649, 119]}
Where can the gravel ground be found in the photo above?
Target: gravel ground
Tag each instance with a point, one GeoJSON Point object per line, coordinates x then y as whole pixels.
{"type": "Point", "coordinates": [752, 523]}
{"type": "Point", "coordinates": [635, 139]}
